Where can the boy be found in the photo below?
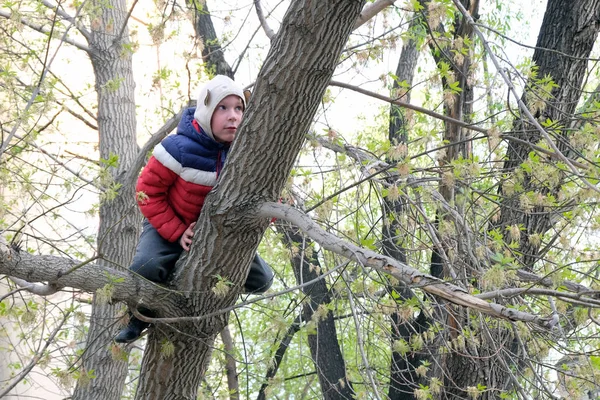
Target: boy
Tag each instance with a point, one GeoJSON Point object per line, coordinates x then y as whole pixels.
{"type": "Point", "coordinates": [172, 187]}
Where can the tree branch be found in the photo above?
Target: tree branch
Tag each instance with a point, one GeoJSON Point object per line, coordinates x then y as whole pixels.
{"type": "Point", "coordinates": [36, 288]}
{"type": "Point", "coordinates": [46, 31]}
{"type": "Point", "coordinates": [87, 276]}
{"type": "Point", "coordinates": [370, 11]}
{"type": "Point", "coordinates": [263, 21]}
{"type": "Point", "coordinates": [122, 30]}
{"type": "Point", "coordinates": [564, 296]}
{"type": "Point", "coordinates": [278, 357]}
{"type": "Point", "coordinates": [35, 359]}
{"type": "Point", "coordinates": [230, 365]}
{"type": "Point", "coordinates": [64, 15]}
{"type": "Point", "coordinates": [360, 156]}
{"type": "Point", "coordinates": [404, 273]}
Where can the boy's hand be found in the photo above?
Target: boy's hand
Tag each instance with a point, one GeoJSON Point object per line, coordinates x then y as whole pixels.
{"type": "Point", "coordinates": [186, 239]}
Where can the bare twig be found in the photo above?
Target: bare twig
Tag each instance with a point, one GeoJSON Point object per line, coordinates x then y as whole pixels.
{"type": "Point", "coordinates": [59, 11]}
{"type": "Point", "coordinates": [36, 288]}
{"type": "Point", "coordinates": [46, 31]}
{"type": "Point", "coordinates": [122, 30]}
{"type": "Point", "coordinates": [36, 89]}
{"type": "Point", "coordinates": [360, 342]}
{"type": "Point", "coordinates": [36, 358]}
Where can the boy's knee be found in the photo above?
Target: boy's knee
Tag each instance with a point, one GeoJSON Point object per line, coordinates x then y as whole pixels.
{"type": "Point", "coordinates": [260, 276]}
{"type": "Point", "coordinates": [152, 270]}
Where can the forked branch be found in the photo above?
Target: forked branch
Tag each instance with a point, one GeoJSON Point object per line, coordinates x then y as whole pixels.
{"type": "Point", "coordinates": [404, 273]}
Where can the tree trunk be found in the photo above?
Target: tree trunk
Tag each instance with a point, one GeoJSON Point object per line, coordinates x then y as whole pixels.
{"type": "Point", "coordinates": [468, 363]}
{"type": "Point", "coordinates": [212, 53]}
{"type": "Point", "coordinates": [566, 38]}
{"type": "Point", "coordinates": [119, 219]}
{"type": "Point", "coordinates": [287, 94]}
{"type": "Point", "coordinates": [403, 379]}
{"type": "Point", "coordinates": [324, 347]}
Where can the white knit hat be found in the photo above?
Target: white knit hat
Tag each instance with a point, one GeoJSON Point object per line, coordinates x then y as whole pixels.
{"type": "Point", "coordinates": [211, 94]}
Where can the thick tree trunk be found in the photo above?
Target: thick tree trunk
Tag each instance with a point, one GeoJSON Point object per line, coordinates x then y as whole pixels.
{"type": "Point", "coordinates": [119, 219]}
{"type": "Point", "coordinates": [287, 94]}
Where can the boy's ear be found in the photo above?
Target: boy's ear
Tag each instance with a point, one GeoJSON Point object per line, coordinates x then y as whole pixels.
{"type": "Point", "coordinates": [207, 98]}
{"type": "Point", "coordinates": [247, 95]}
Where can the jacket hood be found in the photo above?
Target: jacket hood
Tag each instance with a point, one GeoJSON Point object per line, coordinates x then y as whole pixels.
{"type": "Point", "coordinates": [211, 94]}
{"type": "Point", "coordinates": [186, 128]}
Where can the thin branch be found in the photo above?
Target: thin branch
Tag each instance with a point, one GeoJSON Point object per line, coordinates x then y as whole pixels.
{"type": "Point", "coordinates": [36, 288]}
{"type": "Point", "coordinates": [371, 10]}
{"type": "Point", "coordinates": [230, 365]}
{"type": "Point", "coordinates": [521, 44]}
{"type": "Point", "coordinates": [278, 357]}
{"type": "Point", "coordinates": [75, 173]}
{"type": "Point", "coordinates": [47, 31]}
{"type": "Point", "coordinates": [35, 359]}
{"type": "Point", "coordinates": [263, 21]}
{"type": "Point", "coordinates": [46, 69]}
{"type": "Point", "coordinates": [256, 299]}
{"type": "Point", "coordinates": [381, 167]}
{"type": "Point", "coordinates": [60, 12]}
{"type": "Point", "coordinates": [122, 30]}
{"type": "Point", "coordinates": [360, 341]}
{"type": "Point", "coordinates": [410, 106]}
{"type": "Point", "coordinates": [565, 296]}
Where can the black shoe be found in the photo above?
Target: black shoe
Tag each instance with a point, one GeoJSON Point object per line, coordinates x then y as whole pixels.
{"type": "Point", "coordinates": [132, 331]}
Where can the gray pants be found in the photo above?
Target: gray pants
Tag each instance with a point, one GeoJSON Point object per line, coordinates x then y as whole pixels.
{"type": "Point", "coordinates": [155, 260]}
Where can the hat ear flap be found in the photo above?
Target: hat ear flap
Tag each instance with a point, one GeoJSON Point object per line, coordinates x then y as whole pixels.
{"type": "Point", "coordinates": [207, 98]}
{"type": "Point", "coordinates": [247, 95]}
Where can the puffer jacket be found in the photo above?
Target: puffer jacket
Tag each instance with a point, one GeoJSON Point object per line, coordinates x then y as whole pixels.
{"type": "Point", "coordinates": [181, 171]}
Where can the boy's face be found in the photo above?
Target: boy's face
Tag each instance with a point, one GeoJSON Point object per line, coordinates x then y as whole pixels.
{"type": "Point", "coordinates": [226, 118]}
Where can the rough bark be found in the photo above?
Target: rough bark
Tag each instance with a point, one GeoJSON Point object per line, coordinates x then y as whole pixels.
{"type": "Point", "coordinates": [323, 344]}
{"type": "Point", "coordinates": [230, 364]}
{"type": "Point", "coordinates": [287, 94]}
{"type": "Point", "coordinates": [119, 221]}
